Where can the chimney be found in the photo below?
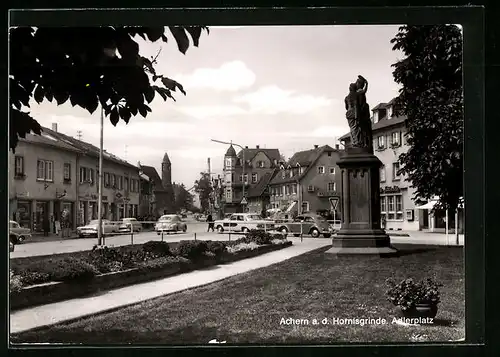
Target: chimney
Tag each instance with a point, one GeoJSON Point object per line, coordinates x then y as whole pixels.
{"type": "Point", "coordinates": [54, 127]}
{"type": "Point", "coordinates": [316, 146]}
{"type": "Point", "coordinates": [257, 146]}
{"type": "Point", "coordinates": [337, 146]}
{"type": "Point", "coordinates": [246, 147]}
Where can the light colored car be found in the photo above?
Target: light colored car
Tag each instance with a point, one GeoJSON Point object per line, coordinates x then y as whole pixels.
{"type": "Point", "coordinates": [90, 230]}
{"type": "Point", "coordinates": [19, 234]}
{"type": "Point", "coordinates": [311, 224]}
{"type": "Point", "coordinates": [170, 223]}
{"type": "Point", "coordinates": [130, 225]}
{"type": "Point", "coordinates": [243, 222]}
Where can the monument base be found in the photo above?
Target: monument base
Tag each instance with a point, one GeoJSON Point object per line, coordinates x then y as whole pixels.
{"type": "Point", "coordinates": [361, 233]}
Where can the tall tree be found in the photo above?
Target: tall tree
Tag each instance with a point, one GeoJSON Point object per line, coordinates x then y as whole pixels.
{"type": "Point", "coordinates": [203, 188]}
{"type": "Point", "coordinates": [183, 199]}
{"type": "Point", "coordinates": [88, 66]}
{"type": "Point", "coordinates": [431, 97]}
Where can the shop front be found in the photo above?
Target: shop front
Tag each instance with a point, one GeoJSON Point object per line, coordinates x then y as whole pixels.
{"type": "Point", "coordinates": [22, 214]}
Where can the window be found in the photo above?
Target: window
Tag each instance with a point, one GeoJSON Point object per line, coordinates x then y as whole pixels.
{"type": "Point", "coordinates": [381, 142]}
{"type": "Point", "coordinates": [67, 172]}
{"type": "Point", "coordinates": [305, 206]}
{"type": "Point", "coordinates": [261, 164]}
{"type": "Point", "coordinates": [120, 182]}
{"type": "Point", "coordinates": [382, 174]}
{"type": "Point", "coordinates": [390, 207]}
{"type": "Point", "coordinates": [383, 205]}
{"type": "Point", "coordinates": [106, 179]}
{"type": "Point", "coordinates": [113, 180]}
{"type": "Point", "coordinates": [291, 173]}
{"type": "Point", "coordinates": [232, 177]}
{"type": "Point", "coordinates": [282, 190]}
{"type": "Point", "coordinates": [329, 153]}
{"type": "Point", "coordinates": [283, 174]}
{"type": "Point", "coordinates": [395, 138]}
{"type": "Point", "coordinates": [301, 170]}
{"type": "Point", "coordinates": [45, 170]}
{"type": "Point", "coordinates": [241, 178]}
{"type": "Point", "coordinates": [228, 162]}
{"type": "Point", "coordinates": [294, 189]}
{"type": "Point", "coordinates": [395, 169]}
{"type": "Point", "coordinates": [19, 165]}
{"type": "Point", "coordinates": [125, 183]}
{"type": "Point", "coordinates": [321, 169]}
{"type": "Point", "coordinates": [399, 207]}
{"type": "Point", "coordinates": [332, 170]}
{"type": "Point", "coordinates": [287, 190]}
{"type": "Point", "coordinates": [331, 186]}
{"type": "Point", "coordinates": [254, 178]}
{"type": "Point", "coordinates": [245, 177]}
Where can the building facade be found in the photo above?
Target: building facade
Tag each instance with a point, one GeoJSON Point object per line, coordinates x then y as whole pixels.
{"type": "Point", "coordinates": [308, 182]}
{"type": "Point", "coordinates": [246, 174]}
{"type": "Point", "coordinates": [398, 209]}
{"type": "Point", "coordinates": [52, 172]}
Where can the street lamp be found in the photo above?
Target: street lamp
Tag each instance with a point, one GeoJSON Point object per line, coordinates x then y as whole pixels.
{"type": "Point", "coordinates": [242, 157]}
{"type": "Point", "coordinates": [99, 204]}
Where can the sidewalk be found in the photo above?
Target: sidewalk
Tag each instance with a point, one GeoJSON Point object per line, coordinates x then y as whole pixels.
{"type": "Point", "coordinates": [30, 318]}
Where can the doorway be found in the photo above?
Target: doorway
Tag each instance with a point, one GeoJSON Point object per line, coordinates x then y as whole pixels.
{"type": "Point", "coordinates": [41, 214]}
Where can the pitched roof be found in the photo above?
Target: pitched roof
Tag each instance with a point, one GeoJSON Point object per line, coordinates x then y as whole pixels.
{"type": "Point", "coordinates": [151, 172]}
{"type": "Point", "coordinates": [230, 151]}
{"type": "Point", "coordinates": [273, 154]}
{"type": "Point", "coordinates": [166, 159]}
{"type": "Point", "coordinates": [86, 148]}
{"type": "Point", "coordinates": [380, 106]}
{"type": "Point", "coordinates": [381, 124]}
{"type": "Point", "coordinates": [51, 140]}
{"type": "Point", "coordinates": [305, 159]}
{"type": "Point", "coordinates": [258, 189]}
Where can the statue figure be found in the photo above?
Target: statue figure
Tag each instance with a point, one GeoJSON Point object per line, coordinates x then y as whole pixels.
{"type": "Point", "coordinates": [358, 115]}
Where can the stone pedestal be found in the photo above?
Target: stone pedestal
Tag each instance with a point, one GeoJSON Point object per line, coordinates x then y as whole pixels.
{"type": "Point", "coordinates": [361, 232]}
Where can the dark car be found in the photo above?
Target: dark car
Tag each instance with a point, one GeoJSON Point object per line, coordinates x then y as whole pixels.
{"type": "Point", "coordinates": [310, 224]}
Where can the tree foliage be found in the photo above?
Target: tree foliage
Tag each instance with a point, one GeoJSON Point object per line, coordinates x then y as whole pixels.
{"type": "Point", "coordinates": [204, 189]}
{"type": "Point", "coordinates": [431, 98]}
{"type": "Point", "coordinates": [88, 66]}
{"type": "Point", "coordinates": [183, 199]}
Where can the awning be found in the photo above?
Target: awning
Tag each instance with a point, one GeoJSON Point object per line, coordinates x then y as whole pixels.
{"type": "Point", "coordinates": [428, 205]}
{"type": "Point", "coordinates": [292, 205]}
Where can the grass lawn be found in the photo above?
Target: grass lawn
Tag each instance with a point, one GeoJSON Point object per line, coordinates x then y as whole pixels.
{"type": "Point", "coordinates": [248, 308]}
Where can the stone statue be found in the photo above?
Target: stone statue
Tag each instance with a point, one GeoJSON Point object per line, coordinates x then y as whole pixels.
{"type": "Point", "coordinates": [358, 115]}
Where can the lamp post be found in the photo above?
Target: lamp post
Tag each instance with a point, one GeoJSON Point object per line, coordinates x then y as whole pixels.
{"type": "Point", "coordinates": [242, 157]}
{"type": "Point", "coordinates": [99, 203]}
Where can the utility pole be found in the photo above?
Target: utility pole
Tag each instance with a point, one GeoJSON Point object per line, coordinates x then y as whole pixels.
{"type": "Point", "coordinates": [210, 205]}
{"type": "Point", "coordinates": [99, 207]}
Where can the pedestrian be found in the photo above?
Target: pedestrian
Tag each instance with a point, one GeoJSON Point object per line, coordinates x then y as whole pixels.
{"type": "Point", "coordinates": [211, 223]}
{"type": "Point", "coordinates": [384, 222]}
{"type": "Point", "coordinates": [46, 226]}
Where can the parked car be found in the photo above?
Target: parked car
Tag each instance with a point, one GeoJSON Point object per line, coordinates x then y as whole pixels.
{"type": "Point", "coordinates": [202, 218]}
{"type": "Point", "coordinates": [129, 225]}
{"type": "Point", "coordinates": [20, 234]}
{"type": "Point", "coordinates": [243, 222]}
{"type": "Point", "coordinates": [170, 223]}
{"type": "Point", "coordinates": [314, 225]}
{"type": "Point", "coordinates": [90, 230]}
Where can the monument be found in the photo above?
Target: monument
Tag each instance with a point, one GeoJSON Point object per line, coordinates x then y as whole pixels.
{"type": "Point", "coordinates": [361, 231]}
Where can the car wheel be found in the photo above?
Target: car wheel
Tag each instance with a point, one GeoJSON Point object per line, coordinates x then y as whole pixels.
{"type": "Point", "coordinates": [314, 233]}
{"type": "Point", "coordinates": [220, 229]}
{"type": "Point", "coordinates": [158, 233]}
{"type": "Point", "coordinates": [80, 236]}
{"type": "Point", "coordinates": [185, 229]}
{"type": "Point", "coordinates": [20, 239]}
{"type": "Point", "coordinates": [284, 230]}
{"type": "Point", "coordinates": [327, 235]}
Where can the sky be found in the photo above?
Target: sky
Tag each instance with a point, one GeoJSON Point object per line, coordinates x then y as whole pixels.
{"type": "Point", "coordinates": [275, 86]}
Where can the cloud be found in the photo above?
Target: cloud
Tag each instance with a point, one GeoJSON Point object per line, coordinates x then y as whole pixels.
{"type": "Point", "coordinates": [274, 100]}
{"type": "Point", "coordinates": [210, 111]}
{"type": "Point", "coordinates": [230, 76]}
{"type": "Point", "coordinates": [326, 131]}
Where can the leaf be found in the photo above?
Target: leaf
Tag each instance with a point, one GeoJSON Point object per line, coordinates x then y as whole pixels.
{"type": "Point", "coordinates": [160, 91]}
{"type": "Point", "coordinates": [180, 37]}
{"type": "Point", "coordinates": [125, 114]}
{"type": "Point", "coordinates": [61, 97]}
{"type": "Point", "coordinates": [48, 94]}
{"type": "Point", "coordinates": [195, 32]}
{"type": "Point", "coordinates": [149, 94]}
{"type": "Point", "coordinates": [114, 117]}
{"type": "Point", "coordinates": [39, 94]}
{"type": "Point", "coordinates": [93, 103]}
{"type": "Point", "coordinates": [143, 111]}
{"type": "Point", "coordinates": [172, 85]}
{"type": "Point", "coordinates": [155, 33]}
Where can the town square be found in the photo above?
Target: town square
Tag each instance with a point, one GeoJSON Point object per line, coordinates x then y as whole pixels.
{"type": "Point", "coordinates": [236, 185]}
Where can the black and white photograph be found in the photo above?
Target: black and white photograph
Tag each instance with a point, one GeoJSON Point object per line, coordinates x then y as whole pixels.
{"type": "Point", "coordinates": [218, 185]}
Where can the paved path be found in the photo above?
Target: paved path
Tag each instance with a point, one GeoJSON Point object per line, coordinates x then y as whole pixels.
{"type": "Point", "coordinates": [419, 237]}
{"type": "Point", "coordinates": [23, 320]}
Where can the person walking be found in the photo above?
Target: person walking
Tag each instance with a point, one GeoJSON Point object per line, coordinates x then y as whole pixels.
{"type": "Point", "coordinates": [46, 226]}
{"type": "Point", "coordinates": [211, 223]}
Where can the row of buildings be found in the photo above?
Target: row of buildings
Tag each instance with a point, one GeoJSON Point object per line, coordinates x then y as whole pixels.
{"type": "Point", "coordinates": [310, 180]}
{"type": "Point", "coordinates": [53, 171]}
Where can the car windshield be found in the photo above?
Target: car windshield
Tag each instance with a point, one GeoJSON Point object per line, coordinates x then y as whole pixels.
{"type": "Point", "coordinates": [14, 225]}
{"type": "Point", "coordinates": [129, 220]}
{"type": "Point", "coordinates": [254, 217]}
{"type": "Point", "coordinates": [166, 219]}
{"type": "Point", "coordinates": [320, 218]}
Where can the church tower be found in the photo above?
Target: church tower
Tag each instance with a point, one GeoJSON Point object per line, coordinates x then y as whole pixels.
{"type": "Point", "coordinates": [229, 173]}
{"type": "Point", "coordinates": [166, 172]}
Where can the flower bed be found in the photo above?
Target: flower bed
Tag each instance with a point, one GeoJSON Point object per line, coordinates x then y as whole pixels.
{"type": "Point", "coordinates": [54, 278]}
